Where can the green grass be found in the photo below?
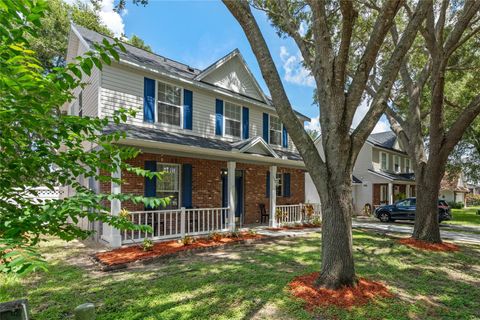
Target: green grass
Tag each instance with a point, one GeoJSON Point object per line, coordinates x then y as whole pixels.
{"type": "Point", "coordinates": [466, 216]}
{"type": "Point", "coordinates": [251, 283]}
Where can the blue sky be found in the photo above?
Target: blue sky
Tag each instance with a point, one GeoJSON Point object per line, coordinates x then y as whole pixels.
{"type": "Point", "coordinates": [200, 32]}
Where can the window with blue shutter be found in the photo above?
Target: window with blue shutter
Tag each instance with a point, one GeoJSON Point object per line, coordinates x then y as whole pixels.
{"type": "Point", "coordinates": [245, 122]}
{"type": "Point", "coordinates": [284, 137]}
{"type": "Point", "coordinates": [187, 109]}
{"type": "Point", "coordinates": [187, 185]}
{"type": "Point", "coordinates": [150, 184]}
{"type": "Point", "coordinates": [286, 185]}
{"type": "Point", "coordinates": [218, 117]}
{"type": "Point", "coordinates": [267, 184]}
{"type": "Point", "coordinates": [265, 127]}
{"type": "Point", "coordinates": [148, 100]}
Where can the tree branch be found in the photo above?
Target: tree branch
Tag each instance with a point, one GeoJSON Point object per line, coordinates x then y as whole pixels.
{"type": "Point", "coordinates": [349, 16]}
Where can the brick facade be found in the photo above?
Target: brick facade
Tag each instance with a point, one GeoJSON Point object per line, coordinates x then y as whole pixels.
{"type": "Point", "coordinates": [207, 184]}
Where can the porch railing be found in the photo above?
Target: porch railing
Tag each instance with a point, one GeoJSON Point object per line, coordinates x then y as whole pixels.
{"type": "Point", "coordinates": [171, 224]}
{"type": "Point", "coordinates": [297, 213]}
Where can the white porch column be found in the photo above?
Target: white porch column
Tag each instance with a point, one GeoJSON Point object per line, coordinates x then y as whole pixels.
{"type": "Point", "coordinates": [390, 193]}
{"type": "Point", "coordinates": [407, 190]}
{"type": "Point", "coordinates": [231, 193]}
{"type": "Point", "coordinates": [273, 196]}
{"type": "Point", "coordinates": [114, 236]}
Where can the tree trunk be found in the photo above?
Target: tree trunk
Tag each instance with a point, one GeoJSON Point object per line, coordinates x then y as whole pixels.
{"type": "Point", "coordinates": [426, 217]}
{"type": "Point", "coordinates": [338, 268]}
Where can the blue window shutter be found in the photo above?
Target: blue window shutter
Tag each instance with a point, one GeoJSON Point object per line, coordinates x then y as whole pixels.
{"type": "Point", "coordinates": [286, 184]}
{"type": "Point", "coordinates": [150, 184]}
{"type": "Point", "coordinates": [187, 109]}
{"type": "Point", "coordinates": [148, 100]}
{"type": "Point", "coordinates": [246, 122]}
{"type": "Point", "coordinates": [187, 185]}
{"type": "Point", "coordinates": [268, 185]}
{"type": "Point", "coordinates": [265, 127]}
{"type": "Point", "coordinates": [284, 138]}
{"type": "Point", "coordinates": [218, 117]}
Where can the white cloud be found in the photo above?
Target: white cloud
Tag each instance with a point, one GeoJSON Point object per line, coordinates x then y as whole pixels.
{"type": "Point", "coordinates": [314, 124]}
{"type": "Point", "coordinates": [113, 20]}
{"type": "Point", "coordinates": [295, 72]}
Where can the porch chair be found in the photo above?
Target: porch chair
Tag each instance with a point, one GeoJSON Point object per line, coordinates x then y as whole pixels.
{"type": "Point", "coordinates": [263, 213]}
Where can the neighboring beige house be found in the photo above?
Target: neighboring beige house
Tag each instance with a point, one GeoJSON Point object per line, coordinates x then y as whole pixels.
{"type": "Point", "coordinates": [382, 174]}
{"type": "Point", "coordinates": [453, 188]}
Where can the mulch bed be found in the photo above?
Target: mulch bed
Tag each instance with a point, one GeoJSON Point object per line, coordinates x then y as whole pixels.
{"type": "Point", "coordinates": [424, 245]}
{"type": "Point", "coordinates": [303, 287]}
{"type": "Point", "coordinates": [305, 226]}
{"type": "Point", "coordinates": [119, 258]}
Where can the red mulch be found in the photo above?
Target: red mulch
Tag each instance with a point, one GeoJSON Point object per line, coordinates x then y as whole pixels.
{"type": "Point", "coordinates": [303, 287]}
{"type": "Point", "coordinates": [419, 244]}
{"type": "Point", "coordinates": [305, 226]}
{"type": "Point", "coordinates": [136, 253]}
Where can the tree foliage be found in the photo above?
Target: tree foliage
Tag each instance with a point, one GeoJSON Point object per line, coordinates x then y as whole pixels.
{"type": "Point", "coordinates": [43, 146]}
{"type": "Point", "coordinates": [139, 43]}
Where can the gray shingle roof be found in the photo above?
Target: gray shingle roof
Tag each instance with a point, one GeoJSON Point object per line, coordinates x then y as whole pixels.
{"type": "Point", "coordinates": [383, 139]}
{"type": "Point", "coordinates": [392, 176]}
{"type": "Point", "coordinates": [142, 57]}
{"type": "Point", "coordinates": [145, 133]}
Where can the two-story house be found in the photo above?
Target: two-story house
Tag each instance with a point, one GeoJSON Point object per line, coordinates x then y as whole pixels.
{"type": "Point", "coordinates": [382, 173]}
{"type": "Point", "coordinates": [213, 133]}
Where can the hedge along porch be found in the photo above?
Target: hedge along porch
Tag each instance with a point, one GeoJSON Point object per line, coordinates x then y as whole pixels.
{"type": "Point", "coordinates": [215, 194]}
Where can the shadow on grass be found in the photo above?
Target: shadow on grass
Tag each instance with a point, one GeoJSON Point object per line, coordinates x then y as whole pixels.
{"type": "Point", "coordinates": [242, 281]}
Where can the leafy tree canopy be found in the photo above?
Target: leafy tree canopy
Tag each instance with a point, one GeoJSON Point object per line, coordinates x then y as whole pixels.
{"type": "Point", "coordinates": [42, 146]}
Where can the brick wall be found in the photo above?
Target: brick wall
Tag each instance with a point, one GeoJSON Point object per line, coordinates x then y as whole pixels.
{"type": "Point", "coordinates": [207, 185]}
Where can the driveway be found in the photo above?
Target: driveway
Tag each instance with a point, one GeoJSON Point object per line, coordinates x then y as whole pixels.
{"type": "Point", "coordinates": [403, 228]}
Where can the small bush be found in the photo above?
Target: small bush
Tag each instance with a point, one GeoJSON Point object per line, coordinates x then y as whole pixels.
{"type": "Point", "coordinates": [215, 236]}
{"type": "Point", "coordinates": [251, 232]}
{"type": "Point", "coordinates": [234, 234]}
{"type": "Point", "coordinates": [147, 244]}
{"type": "Point", "coordinates": [317, 222]}
{"type": "Point", "coordinates": [472, 199]}
{"type": "Point", "coordinates": [456, 205]}
{"type": "Point", "coordinates": [187, 240]}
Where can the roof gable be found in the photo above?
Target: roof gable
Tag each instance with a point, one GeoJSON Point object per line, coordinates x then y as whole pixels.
{"type": "Point", "coordinates": [255, 146]}
{"type": "Point", "coordinates": [232, 73]}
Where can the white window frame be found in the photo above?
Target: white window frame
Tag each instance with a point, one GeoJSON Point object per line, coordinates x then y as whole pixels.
{"type": "Point", "coordinates": [281, 130]}
{"type": "Point", "coordinates": [179, 166]}
{"type": "Point", "coordinates": [225, 118]}
{"type": "Point", "coordinates": [279, 183]}
{"type": "Point", "coordinates": [380, 160]}
{"type": "Point", "coordinates": [408, 167]}
{"type": "Point", "coordinates": [157, 100]}
{"type": "Point", "coordinates": [395, 159]}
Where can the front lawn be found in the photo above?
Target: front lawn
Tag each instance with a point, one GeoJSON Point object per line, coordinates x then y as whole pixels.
{"type": "Point", "coordinates": [466, 216]}
{"type": "Point", "coordinates": [250, 283]}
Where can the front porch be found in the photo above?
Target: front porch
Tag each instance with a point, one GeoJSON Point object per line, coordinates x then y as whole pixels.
{"type": "Point", "coordinates": [208, 196]}
{"type": "Point", "coordinates": [388, 193]}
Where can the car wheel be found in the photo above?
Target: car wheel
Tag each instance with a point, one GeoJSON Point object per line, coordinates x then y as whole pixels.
{"type": "Point", "coordinates": [384, 216]}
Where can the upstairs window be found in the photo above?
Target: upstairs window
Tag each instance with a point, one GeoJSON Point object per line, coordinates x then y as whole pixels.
{"type": "Point", "coordinates": [233, 120]}
{"type": "Point", "coordinates": [169, 104]}
{"type": "Point", "coordinates": [396, 163]}
{"type": "Point", "coordinates": [383, 161]}
{"type": "Point", "coordinates": [407, 165]}
{"type": "Point", "coordinates": [275, 131]}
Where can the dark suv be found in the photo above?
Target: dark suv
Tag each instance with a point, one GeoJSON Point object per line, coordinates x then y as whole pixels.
{"type": "Point", "coordinates": [405, 210]}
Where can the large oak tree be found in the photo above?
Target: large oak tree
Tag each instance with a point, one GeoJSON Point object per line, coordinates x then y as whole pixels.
{"type": "Point", "coordinates": [438, 101]}
{"type": "Point", "coordinates": [341, 63]}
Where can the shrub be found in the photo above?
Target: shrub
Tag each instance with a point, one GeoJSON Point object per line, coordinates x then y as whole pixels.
{"type": "Point", "coordinates": [187, 240]}
{"type": "Point", "coordinates": [251, 232]}
{"type": "Point", "coordinates": [147, 244]}
{"type": "Point", "coordinates": [215, 236]}
{"type": "Point", "coordinates": [317, 222]}
{"type": "Point", "coordinates": [456, 205]}
{"type": "Point", "coordinates": [472, 199]}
